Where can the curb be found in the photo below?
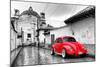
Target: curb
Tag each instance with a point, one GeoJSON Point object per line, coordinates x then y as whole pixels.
{"type": "Point", "coordinates": [13, 63]}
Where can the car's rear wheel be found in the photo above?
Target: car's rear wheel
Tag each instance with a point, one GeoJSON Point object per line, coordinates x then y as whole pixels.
{"type": "Point", "coordinates": [52, 51]}
{"type": "Point", "coordinates": [64, 55]}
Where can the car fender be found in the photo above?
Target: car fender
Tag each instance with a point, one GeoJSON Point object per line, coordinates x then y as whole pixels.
{"type": "Point", "coordinates": [53, 46]}
{"type": "Point", "coordinates": [66, 47]}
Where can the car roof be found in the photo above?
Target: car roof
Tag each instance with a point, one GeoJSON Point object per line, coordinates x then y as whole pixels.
{"type": "Point", "coordinates": [64, 36]}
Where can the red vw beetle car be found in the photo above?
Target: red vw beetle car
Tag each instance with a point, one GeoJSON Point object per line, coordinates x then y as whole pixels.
{"type": "Point", "coordinates": [68, 46]}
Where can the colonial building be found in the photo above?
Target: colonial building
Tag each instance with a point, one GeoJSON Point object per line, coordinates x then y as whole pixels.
{"type": "Point", "coordinates": [26, 27]}
{"type": "Point", "coordinates": [29, 21]}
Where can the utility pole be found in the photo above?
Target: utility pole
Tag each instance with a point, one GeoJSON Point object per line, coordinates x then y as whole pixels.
{"type": "Point", "coordinates": [33, 24]}
{"type": "Point", "coordinates": [22, 37]}
{"type": "Point", "coordinates": [38, 40]}
{"type": "Point", "coordinates": [34, 34]}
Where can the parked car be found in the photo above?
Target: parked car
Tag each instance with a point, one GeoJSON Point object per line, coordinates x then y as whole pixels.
{"type": "Point", "coordinates": [68, 46]}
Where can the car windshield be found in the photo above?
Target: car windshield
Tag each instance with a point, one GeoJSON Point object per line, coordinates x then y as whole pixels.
{"type": "Point", "coordinates": [69, 39]}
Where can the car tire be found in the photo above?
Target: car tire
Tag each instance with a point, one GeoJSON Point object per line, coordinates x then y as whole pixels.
{"type": "Point", "coordinates": [85, 55]}
{"type": "Point", "coordinates": [52, 51]}
{"type": "Point", "coordinates": [64, 55]}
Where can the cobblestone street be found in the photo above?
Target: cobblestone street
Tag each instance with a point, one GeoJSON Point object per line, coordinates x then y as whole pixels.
{"type": "Point", "coordinates": [30, 56]}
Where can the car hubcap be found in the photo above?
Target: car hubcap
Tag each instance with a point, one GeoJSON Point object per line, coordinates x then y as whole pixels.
{"type": "Point", "coordinates": [63, 53]}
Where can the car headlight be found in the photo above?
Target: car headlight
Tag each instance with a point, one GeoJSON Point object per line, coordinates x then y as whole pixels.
{"type": "Point", "coordinates": [84, 47]}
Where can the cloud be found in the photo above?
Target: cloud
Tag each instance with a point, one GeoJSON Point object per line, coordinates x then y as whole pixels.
{"type": "Point", "coordinates": [55, 13]}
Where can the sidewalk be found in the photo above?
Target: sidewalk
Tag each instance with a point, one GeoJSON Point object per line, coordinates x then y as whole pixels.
{"type": "Point", "coordinates": [14, 54]}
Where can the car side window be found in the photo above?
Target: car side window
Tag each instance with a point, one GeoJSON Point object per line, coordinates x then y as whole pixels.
{"type": "Point", "coordinates": [69, 39]}
{"type": "Point", "coordinates": [59, 40]}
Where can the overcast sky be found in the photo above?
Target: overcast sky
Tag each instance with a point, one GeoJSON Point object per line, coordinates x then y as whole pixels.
{"type": "Point", "coordinates": [55, 13]}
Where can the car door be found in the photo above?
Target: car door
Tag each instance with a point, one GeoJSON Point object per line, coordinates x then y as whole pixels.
{"type": "Point", "coordinates": [55, 45]}
{"type": "Point", "coordinates": [58, 45]}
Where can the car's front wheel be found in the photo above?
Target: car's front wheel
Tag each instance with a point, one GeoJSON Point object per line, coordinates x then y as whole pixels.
{"type": "Point", "coordinates": [52, 51]}
{"type": "Point", "coordinates": [64, 55]}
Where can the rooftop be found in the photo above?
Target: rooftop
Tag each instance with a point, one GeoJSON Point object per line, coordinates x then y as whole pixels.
{"type": "Point", "coordinates": [30, 12]}
{"type": "Point", "coordinates": [85, 13]}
